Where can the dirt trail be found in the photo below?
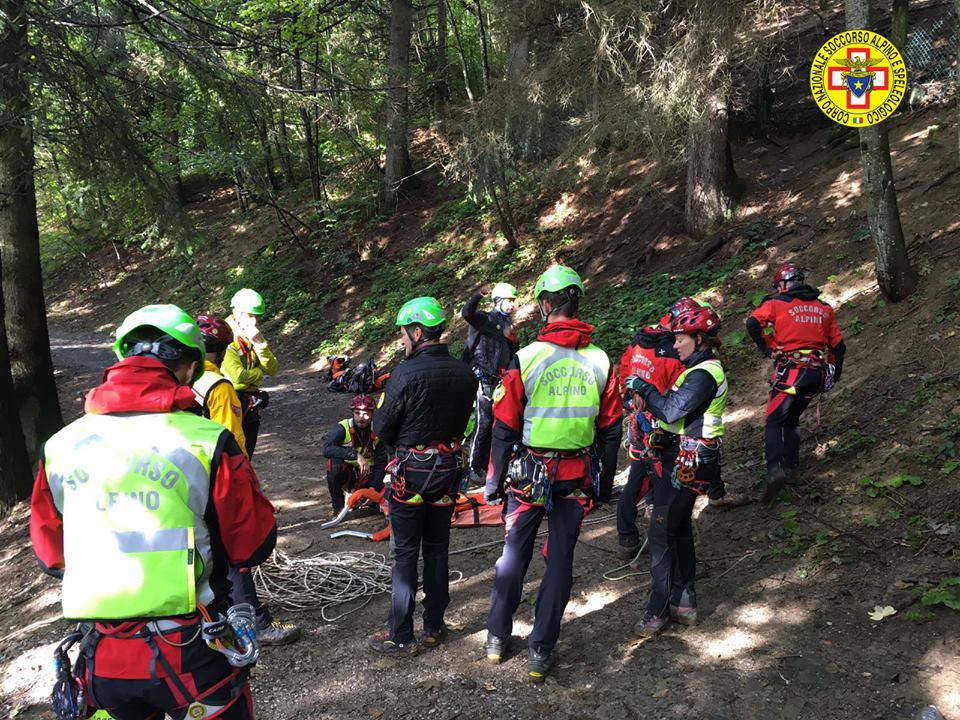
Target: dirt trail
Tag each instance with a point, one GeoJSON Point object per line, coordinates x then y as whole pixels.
{"type": "Point", "coordinates": [780, 638]}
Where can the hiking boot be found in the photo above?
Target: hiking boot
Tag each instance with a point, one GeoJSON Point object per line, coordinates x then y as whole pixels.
{"type": "Point", "coordinates": [684, 615]}
{"type": "Point", "coordinates": [384, 644]}
{"type": "Point", "coordinates": [730, 500]}
{"type": "Point", "coordinates": [278, 633]}
{"type": "Point", "coordinates": [628, 552]}
{"type": "Point", "coordinates": [650, 626]}
{"type": "Point", "coordinates": [433, 637]}
{"type": "Point", "coordinates": [539, 665]}
{"type": "Point", "coordinates": [496, 648]}
{"type": "Point", "coordinates": [775, 482]}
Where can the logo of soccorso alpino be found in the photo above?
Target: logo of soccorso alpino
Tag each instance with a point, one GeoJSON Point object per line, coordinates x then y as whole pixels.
{"type": "Point", "coordinates": [858, 78]}
{"type": "Point", "coordinates": [196, 711]}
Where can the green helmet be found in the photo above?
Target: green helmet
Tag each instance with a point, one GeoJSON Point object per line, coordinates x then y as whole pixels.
{"type": "Point", "coordinates": [248, 301]}
{"type": "Point", "coordinates": [504, 290]}
{"type": "Point", "coordinates": [423, 310]}
{"type": "Point", "coordinates": [169, 319]}
{"type": "Point", "coordinates": [557, 278]}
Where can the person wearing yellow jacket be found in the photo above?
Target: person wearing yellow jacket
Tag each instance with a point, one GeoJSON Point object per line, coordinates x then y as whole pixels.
{"type": "Point", "coordinates": [220, 403]}
{"type": "Point", "coordinates": [215, 393]}
{"type": "Point", "coordinates": [248, 360]}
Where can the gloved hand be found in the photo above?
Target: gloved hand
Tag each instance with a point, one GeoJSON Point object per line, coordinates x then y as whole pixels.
{"type": "Point", "coordinates": [637, 384]}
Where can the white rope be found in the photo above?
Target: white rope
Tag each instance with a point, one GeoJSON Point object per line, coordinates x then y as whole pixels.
{"type": "Point", "coordinates": [324, 581]}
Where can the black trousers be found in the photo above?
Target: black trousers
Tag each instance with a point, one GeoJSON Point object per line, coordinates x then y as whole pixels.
{"type": "Point", "coordinates": [793, 388]}
{"type": "Point", "coordinates": [250, 421]}
{"type": "Point", "coordinates": [479, 442]}
{"type": "Point", "coordinates": [673, 557]}
{"type": "Point", "coordinates": [245, 591]}
{"type": "Point", "coordinates": [522, 524]}
{"type": "Point", "coordinates": [421, 505]}
{"type": "Point", "coordinates": [341, 477]}
{"type": "Point", "coordinates": [639, 482]}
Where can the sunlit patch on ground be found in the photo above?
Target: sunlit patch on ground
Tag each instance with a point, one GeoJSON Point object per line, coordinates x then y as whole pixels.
{"type": "Point", "coordinates": [29, 676]}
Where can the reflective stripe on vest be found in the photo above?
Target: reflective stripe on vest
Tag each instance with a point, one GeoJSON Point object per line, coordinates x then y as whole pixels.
{"type": "Point", "coordinates": [133, 490]}
{"type": "Point", "coordinates": [204, 386]}
{"type": "Point", "coordinates": [563, 388]}
{"type": "Point", "coordinates": [710, 424]}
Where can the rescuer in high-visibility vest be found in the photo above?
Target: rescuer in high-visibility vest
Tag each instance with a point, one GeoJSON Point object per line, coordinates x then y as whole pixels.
{"type": "Point", "coordinates": [141, 506]}
{"type": "Point", "coordinates": [355, 456]}
{"type": "Point", "coordinates": [690, 414]}
{"type": "Point", "coordinates": [219, 401]}
{"type": "Point", "coordinates": [557, 401]}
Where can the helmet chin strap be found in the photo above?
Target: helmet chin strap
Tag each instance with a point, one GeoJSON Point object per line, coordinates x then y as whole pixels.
{"type": "Point", "coordinates": [414, 343]}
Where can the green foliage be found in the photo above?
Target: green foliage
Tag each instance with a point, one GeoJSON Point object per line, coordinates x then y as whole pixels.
{"type": "Point", "coordinates": [902, 479]}
{"type": "Point", "coordinates": [869, 521]}
{"type": "Point", "coordinates": [945, 594]}
{"type": "Point", "coordinates": [855, 327]}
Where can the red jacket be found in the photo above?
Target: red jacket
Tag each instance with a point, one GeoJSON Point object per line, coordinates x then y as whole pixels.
{"type": "Point", "coordinates": [238, 512]}
{"type": "Point", "coordinates": [800, 321]}
{"type": "Point", "coordinates": [510, 400]}
{"type": "Point", "coordinates": [651, 356]}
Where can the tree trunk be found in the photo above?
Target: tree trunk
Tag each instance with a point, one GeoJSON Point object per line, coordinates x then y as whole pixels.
{"type": "Point", "coordinates": [25, 314]}
{"type": "Point", "coordinates": [15, 481]}
{"type": "Point", "coordinates": [895, 276]}
{"type": "Point", "coordinates": [308, 146]}
{"type": "Point", "coordinates": [710, 174]}
{"type": "Point", "coordinates": [171, 151]}
{"type": "Point", "coordinates": [441, 84]}
{"type": "Point", "coordinates": [899, 23]}
{"type": "Point", "coordinates": [398, 110]}
{"type": "Point", "coordinates": [483, 47]}
{"type": "Point", "coordinates": [464, 68]}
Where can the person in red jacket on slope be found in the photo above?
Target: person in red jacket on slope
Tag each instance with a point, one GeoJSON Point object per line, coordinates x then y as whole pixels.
{"type": "Point", "coordinates": [807, 349]}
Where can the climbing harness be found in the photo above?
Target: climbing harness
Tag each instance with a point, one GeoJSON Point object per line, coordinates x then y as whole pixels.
{"type": "Point", "coordinates": [693, 452]}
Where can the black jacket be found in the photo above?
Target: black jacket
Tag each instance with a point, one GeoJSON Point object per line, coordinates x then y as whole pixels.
{"type": "Point", "coordinates": [690, 401]}
{"type": "Point", "coordinates": [491, 340]}
{"type": "Point", "coordinates": [428, 398]}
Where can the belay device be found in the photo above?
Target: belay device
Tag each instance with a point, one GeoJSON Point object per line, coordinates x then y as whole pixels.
{"type": "Point", "coordinates": [235, 636]}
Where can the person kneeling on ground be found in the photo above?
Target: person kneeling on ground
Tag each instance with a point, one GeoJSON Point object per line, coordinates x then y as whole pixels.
{"type": "Point", "coordinates": [355, 456]}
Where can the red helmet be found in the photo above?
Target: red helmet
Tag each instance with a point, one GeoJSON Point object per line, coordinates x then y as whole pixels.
{"type": "Point", "coordinates": [697, 320]}
{"type": "Point", "coordinates": [362, 402]}
{"type": "Point", "coordinates": [215, 329]}
{"type": "Point", "coordinates": [681, 305]}
{"type": "Point", "coordinates": [788, 272]}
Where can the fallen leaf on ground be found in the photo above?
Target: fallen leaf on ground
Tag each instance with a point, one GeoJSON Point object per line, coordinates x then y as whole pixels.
{"type": "Point", "coordinates": [879, 613]}
{"type": "Point", "coordinates": [489, 686]}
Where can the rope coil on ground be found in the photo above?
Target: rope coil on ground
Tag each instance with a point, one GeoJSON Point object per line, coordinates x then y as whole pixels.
{"type": "Point", "coordinates": [323, 582]}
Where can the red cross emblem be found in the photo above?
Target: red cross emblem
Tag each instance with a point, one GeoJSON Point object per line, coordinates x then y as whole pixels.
{"type": "Point", "coordinates": [835, 81]}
